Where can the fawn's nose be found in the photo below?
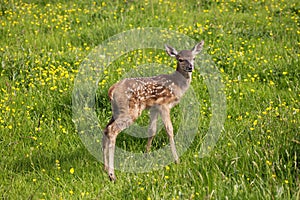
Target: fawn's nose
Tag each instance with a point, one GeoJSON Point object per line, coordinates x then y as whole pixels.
{"type": "Point", "coordinates": [190, 67]}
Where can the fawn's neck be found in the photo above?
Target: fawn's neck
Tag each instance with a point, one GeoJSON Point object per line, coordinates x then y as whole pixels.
{"type": "Point", "coordinates": [182, 79]}
{"type": "Point", "coordinates": [185, 74]}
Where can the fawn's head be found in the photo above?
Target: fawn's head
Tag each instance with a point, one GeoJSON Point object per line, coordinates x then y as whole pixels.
{"type": "Point", "coordinates": [185, 58]}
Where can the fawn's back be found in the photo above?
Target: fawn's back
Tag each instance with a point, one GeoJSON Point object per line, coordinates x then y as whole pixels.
{"type": "Point", "coordinates": [143, 93]}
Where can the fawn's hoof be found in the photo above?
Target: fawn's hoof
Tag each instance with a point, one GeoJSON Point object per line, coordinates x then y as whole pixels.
{"type": "Point", "coordinates": [112, 177]}
{"type": "Point", "coordinates": [177, 161]}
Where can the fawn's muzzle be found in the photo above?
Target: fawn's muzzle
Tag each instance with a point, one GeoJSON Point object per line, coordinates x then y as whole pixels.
{"type": "Point", "coordinates": [189, 68]}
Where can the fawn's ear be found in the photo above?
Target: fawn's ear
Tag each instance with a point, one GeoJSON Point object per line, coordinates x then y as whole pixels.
{"type": "Point", "coordinates": [171, 51]}
{"type": "Point", "coordinates": [198, 48]}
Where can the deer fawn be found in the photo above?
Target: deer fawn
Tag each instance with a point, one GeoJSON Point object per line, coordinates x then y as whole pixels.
{"type": "Point", "coordinates": [159, 94]}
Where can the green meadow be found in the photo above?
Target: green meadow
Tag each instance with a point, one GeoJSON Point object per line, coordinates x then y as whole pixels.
{"type": "Point", "coordinates": [255, 45]}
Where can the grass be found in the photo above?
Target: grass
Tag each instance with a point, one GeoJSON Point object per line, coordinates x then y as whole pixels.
{"type": "Point", "coordinates": [254, 44]}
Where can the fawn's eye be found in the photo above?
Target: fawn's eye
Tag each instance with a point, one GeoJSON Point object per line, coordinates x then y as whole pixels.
{"type": "Point", "coordinates": [180, 60]}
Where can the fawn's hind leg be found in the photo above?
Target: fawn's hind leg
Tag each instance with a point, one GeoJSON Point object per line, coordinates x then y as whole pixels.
{"type": "Point", "coordinates": [105, 144]}
{"type": "Point", "coordinates": [111, 134]}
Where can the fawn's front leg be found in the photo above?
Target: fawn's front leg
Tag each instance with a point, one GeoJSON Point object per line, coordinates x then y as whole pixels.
{"type": "Point", "coordinates": [165, 115]}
